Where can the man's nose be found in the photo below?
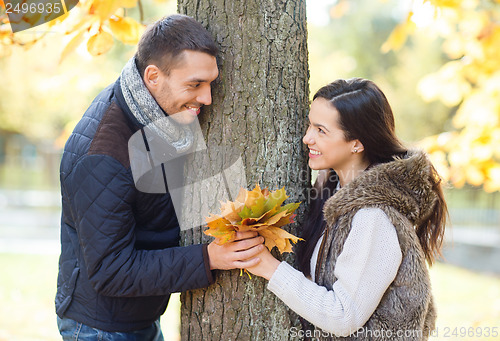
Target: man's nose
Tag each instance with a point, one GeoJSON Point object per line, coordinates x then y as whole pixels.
{"type": "Point", "coordinates": [205, 96]}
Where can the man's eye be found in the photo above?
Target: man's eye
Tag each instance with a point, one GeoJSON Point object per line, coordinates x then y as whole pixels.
{"type": "Point", "coordinates": [321, 130]}
{"type": "Point", "coordinates": [195, 85]}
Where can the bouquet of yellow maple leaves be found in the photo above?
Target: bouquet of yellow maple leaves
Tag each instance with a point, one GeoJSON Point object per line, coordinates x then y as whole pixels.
{"type": "Point", "coordinates": [257, 210]}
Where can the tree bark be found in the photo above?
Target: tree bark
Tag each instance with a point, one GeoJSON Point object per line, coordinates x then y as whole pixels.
{"type": "Point", "coordinates": [259, 108]}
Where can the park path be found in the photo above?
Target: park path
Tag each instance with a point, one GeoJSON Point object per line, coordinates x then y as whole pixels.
{"type": "Point", "coordinates": [29, 221]}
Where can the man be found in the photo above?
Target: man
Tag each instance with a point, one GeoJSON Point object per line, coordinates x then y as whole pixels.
{"type": "Point", "coordinates": [120, 258]}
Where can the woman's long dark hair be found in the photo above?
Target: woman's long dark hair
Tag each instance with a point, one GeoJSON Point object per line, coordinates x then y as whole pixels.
{"type": "Point", "coordinates": [364, 114]}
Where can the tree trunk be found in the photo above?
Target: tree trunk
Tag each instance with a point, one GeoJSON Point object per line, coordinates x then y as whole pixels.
{"type": "Point", "coordinates": [260, 109]}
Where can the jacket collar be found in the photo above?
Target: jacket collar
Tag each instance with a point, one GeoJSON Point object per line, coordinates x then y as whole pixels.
{"type": "Point", "coordinates": [120, 100]}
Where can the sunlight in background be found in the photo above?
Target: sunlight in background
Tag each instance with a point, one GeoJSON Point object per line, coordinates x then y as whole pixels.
{"type": "Point", "coordinates": [318, 12]}
{"type": "Point", "coordinates": [423, 14]}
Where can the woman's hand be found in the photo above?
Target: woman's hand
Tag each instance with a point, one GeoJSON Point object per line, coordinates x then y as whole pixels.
{"type": "Point", "coordinates": [267, 265]}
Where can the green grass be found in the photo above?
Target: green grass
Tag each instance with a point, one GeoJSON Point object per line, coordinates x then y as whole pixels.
{"type": "Point", "coordinates": [27, 288]}
{"type": "Point", "coordinates": [466, 302]}
{"type": "Point", "coordinates": [27, 291]}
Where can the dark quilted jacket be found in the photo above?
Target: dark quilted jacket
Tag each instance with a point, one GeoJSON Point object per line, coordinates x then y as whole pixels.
{"type": "Point", "coordinates": [120, 258]}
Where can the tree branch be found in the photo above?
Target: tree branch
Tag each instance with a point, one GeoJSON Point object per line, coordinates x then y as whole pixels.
{"type": "Point", "coordinates": [141, 11]}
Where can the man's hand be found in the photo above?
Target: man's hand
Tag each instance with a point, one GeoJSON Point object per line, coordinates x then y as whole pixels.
{"type": "Point", "coordinates": [237, 254]}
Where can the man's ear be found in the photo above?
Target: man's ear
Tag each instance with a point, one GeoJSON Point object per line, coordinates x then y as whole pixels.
{"type": "Point", "coordinates": [151, 76]}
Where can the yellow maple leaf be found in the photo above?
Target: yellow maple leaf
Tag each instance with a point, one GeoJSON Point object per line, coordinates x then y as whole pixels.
{"type": "Point", "coordinates": [230, 211]}
{"type": "Point", "coordinates": [103, 8]}
{"type": "Point", "coordinates": [253, 196]}
{"type": "Point", "coordinates": [100, 43]}
{"type": "Point", "coordinates": [279, 237]}
{"type": "Point", "coordinates": [128, 3]}
{"type": "Point", "coordinates": [72, 44]}
{"type": "Point", "coordinates": [80, 29]}
{"type": "Point", "coordinates": [398, 36]}
{"type": "Point", "coordinates": [126, 29]}
{"type": "Point", "coordinates": [220, 228]}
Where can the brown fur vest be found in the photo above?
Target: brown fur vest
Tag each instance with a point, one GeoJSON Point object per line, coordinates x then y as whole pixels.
{"type": "Point", "coordinates": [403, 190]}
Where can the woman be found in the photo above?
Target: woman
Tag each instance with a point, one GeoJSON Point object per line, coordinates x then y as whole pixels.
{"type": "Point", "coordinates": [377, 217]}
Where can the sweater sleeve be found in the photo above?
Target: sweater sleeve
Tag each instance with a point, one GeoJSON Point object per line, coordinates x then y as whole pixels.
{"type": "Point", "coordinates": [365, 268]}
{"type": "Point", "coordinates": [102, 206]}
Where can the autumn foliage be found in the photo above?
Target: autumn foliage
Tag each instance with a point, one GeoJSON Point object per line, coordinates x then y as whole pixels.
{"type": "Point", "coordinates": [257, 210]}
{"type": "Point", "coordinates": [469, 82]}
{"type": "Point", "coordinates": [95, 23]}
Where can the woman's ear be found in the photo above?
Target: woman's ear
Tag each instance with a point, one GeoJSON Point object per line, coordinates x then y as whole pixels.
{"type": "Point", "coordinates": [357, 146]}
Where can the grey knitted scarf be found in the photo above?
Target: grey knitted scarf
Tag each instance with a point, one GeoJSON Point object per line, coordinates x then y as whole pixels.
{"type": "Point", "coordinates": [147, 111]}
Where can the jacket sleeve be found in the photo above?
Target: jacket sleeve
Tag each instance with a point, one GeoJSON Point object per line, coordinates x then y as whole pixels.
{"type": "Point", "coordinates": [101, 197]}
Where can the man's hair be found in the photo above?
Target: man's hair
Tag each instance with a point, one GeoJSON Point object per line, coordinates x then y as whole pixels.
{"type": "Point", "coordinates": [164, 41]}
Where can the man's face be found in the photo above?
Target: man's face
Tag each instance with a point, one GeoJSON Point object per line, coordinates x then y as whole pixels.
{"type": "Point", "coordinates": [183, 92]}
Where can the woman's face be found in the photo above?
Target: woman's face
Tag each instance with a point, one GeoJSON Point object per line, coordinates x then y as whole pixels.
{"type": "Point", "coordinates": [326, 141]}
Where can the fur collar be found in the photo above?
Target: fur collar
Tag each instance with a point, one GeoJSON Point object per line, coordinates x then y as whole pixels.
{"type": "Point", "coordinates": [404, 184]}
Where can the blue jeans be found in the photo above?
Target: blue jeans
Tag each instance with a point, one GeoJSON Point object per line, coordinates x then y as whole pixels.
{"type": "Point", "coordinates": [75, 331]}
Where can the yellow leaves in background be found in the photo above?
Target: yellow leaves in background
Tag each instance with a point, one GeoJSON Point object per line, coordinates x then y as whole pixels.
{"type": "Point", "coordinates": [257, 210]}
{"type": "Point", "coordinates": [127, 30]}
{"type": "Point", "coordinates": [471, 154]}
{"type": "Point", "coordinates": [95, 23]}
{"type": "Point", "coordinates": [399, 35]}
{"type": "Point", "coordinates": [75, 39]}
{"type": "Point", "coordinates": [99, 22]}
{"type": "Point", "coordinates": [5, 33]}
{"type": "Point", "coordinates": [447, 85]}
{"type": "Point", "coordinates": [445, 3]}
{"type": "Point", "coordinates": [99, 43]}
{"type": "Point", "coordinates": [471, 82]}
{"type": "Point", "coordinates": [106, 8]}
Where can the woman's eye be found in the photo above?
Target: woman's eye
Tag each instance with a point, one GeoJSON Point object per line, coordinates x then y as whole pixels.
{"type": "Point", "coordinates": [321, 131]}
